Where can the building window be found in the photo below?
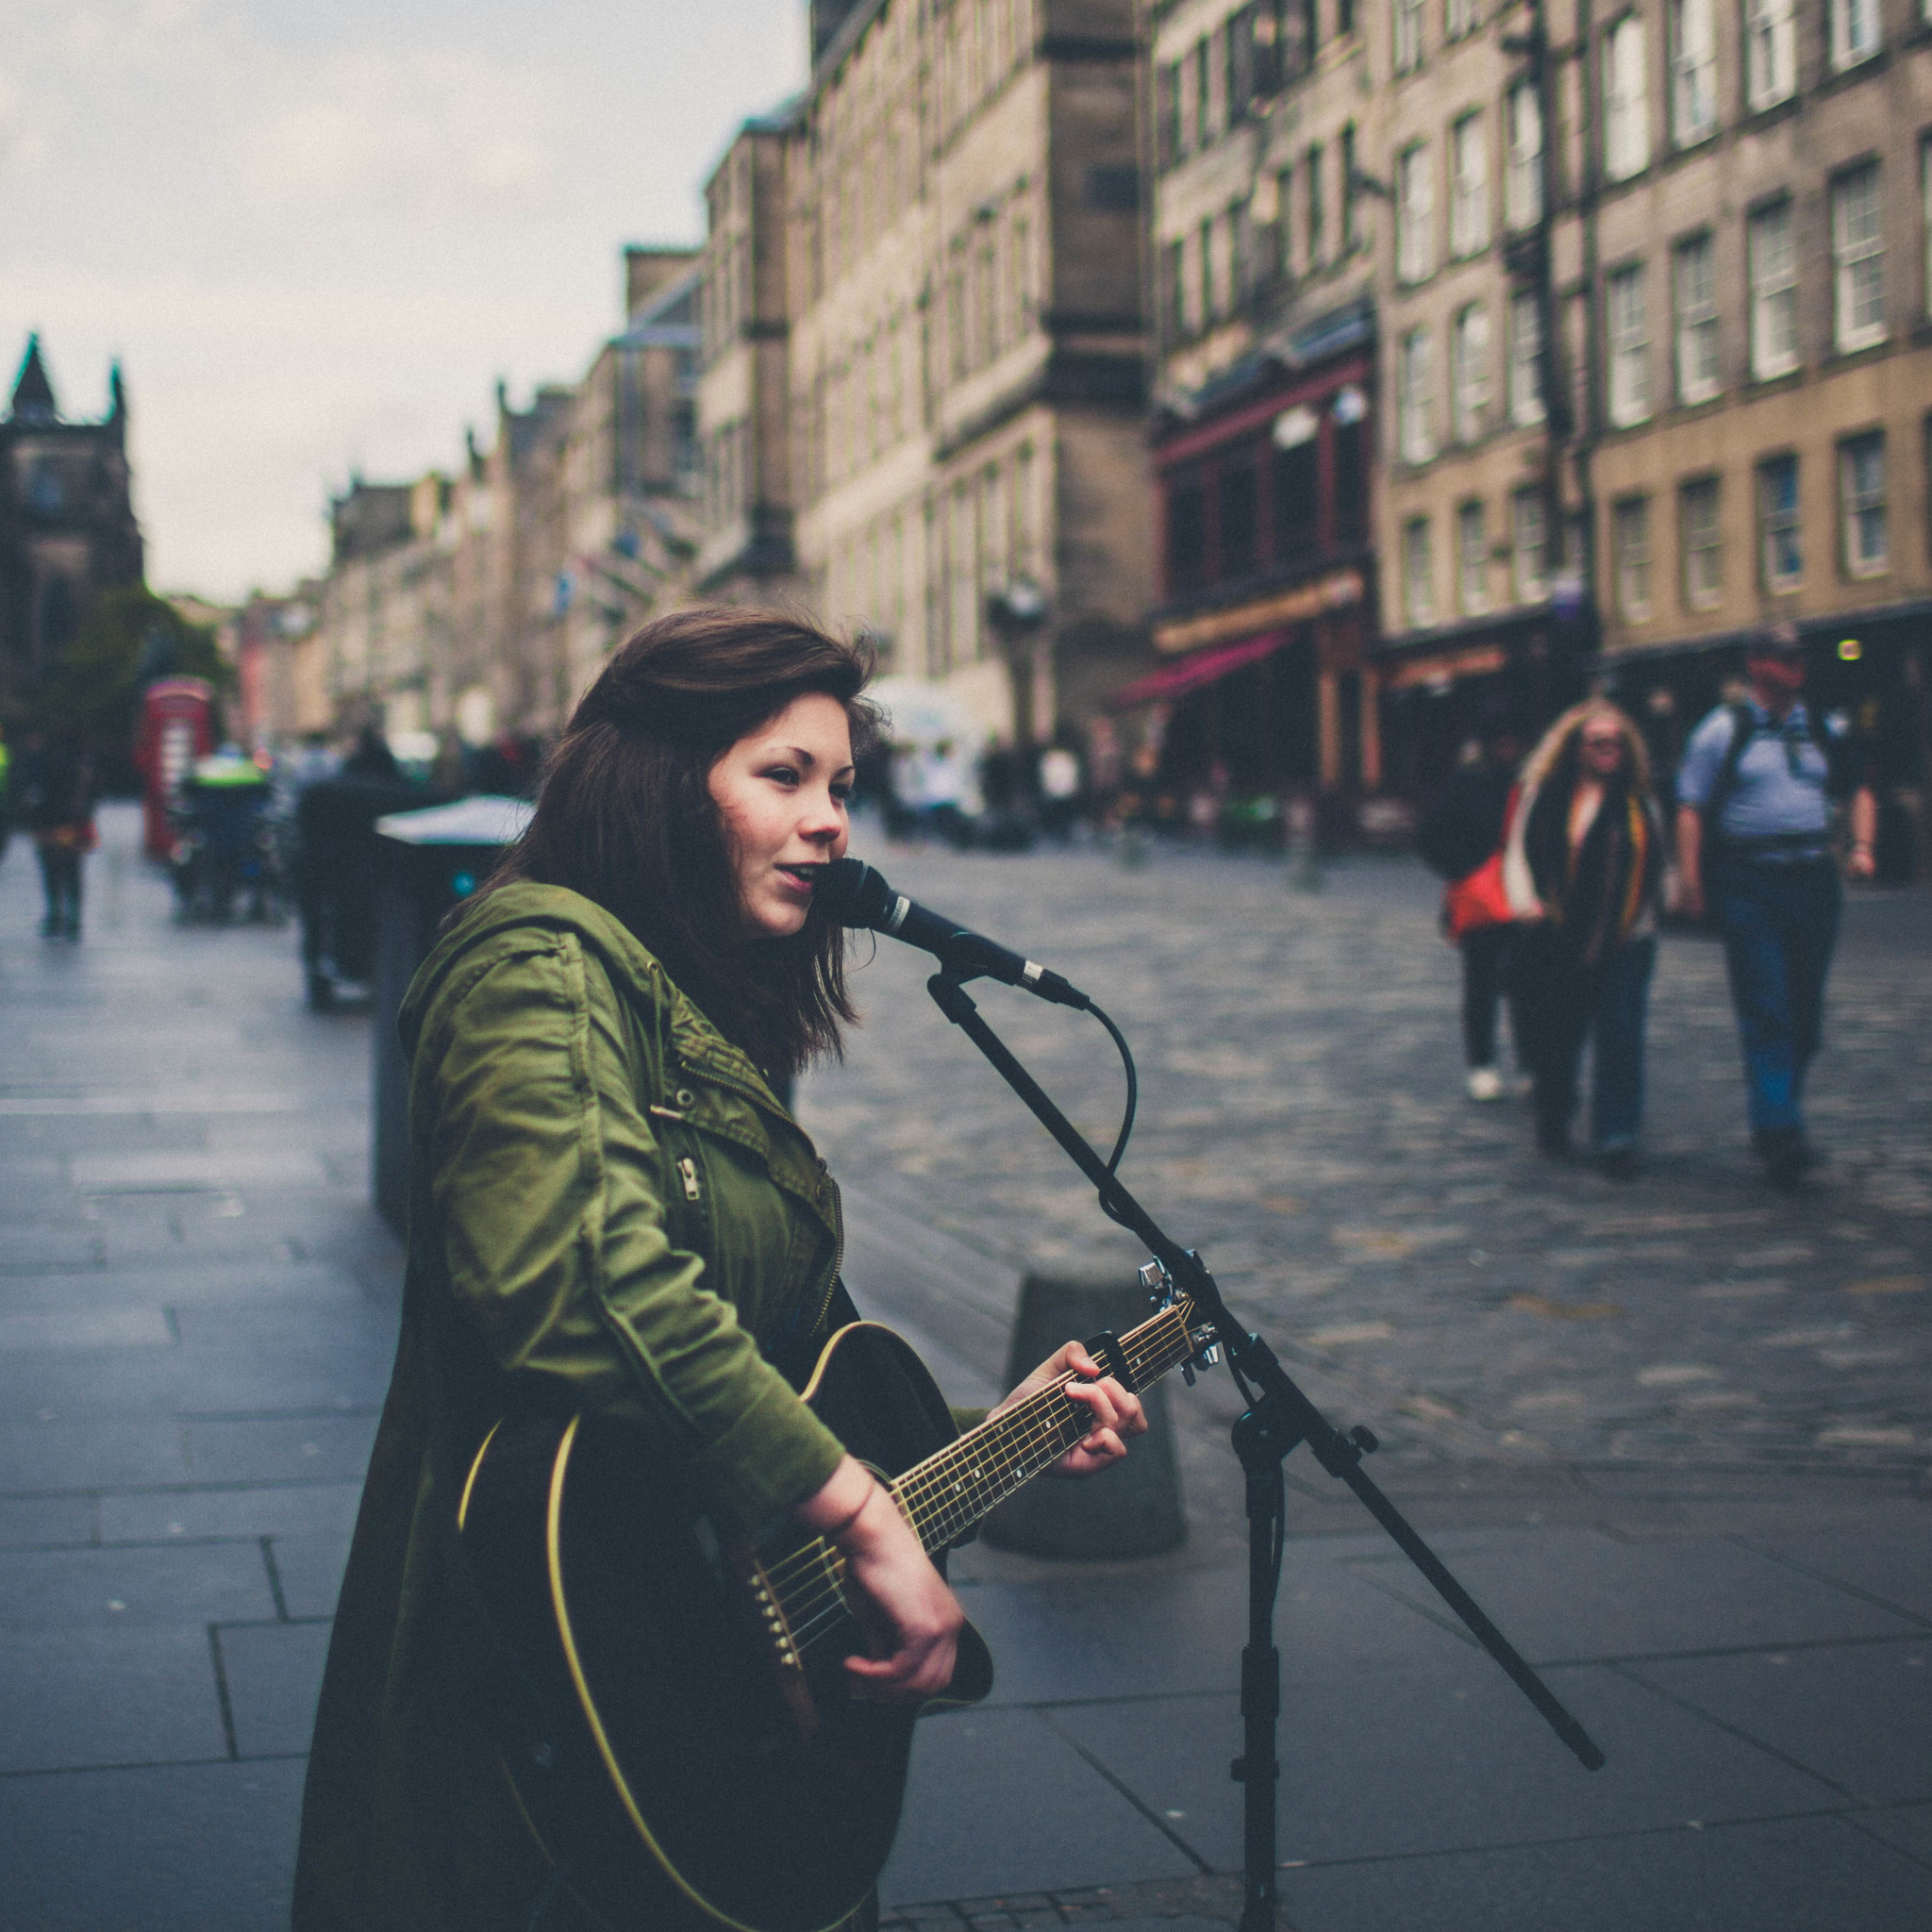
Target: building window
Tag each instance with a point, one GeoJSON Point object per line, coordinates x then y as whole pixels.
{"type": "Point", "coordinates": [1176, 281]}
{"type": "Point", "coordinates": [1629, 372]}
{"type": "Point", "coordinates": [1351, 219]}
{"type": "Point", "coordinates": [1240, 265]}
{"type": "Point", "coordinates": [1187, 535]}
{"type": "Point", "coordinates": [1854, 31]}
{"type": "Point", "coordinates": [1695, 293]}
{"type": "Point", "coordinates": [1206, 264]}
{"type": "Point", "coordinates": [1526, 359]}
{"type": "Point", "coordinates": [1469, 192]}
{"type": "Point", "coordinates": [1203, 94]}
{"type": "Point", "coordinates": [1770, 53]}
{"type": "Point", "coordinates": [1857, 257]}
{"type": "Point", "coordinates": [1528, 527]}
{"type": "Point", "coordinates": [1699, 544]}
{"type": "Point", "coordinates": [1241, 515]}
{"type": "Point", "coordinates": [1284, 223]}
{"type": "Point", "coordinates": [1417, 585]}
{"type": "Point", "coordinates": [1167, 112]}
{"type": "Point", "coordinates": [1460, 18]}
{"type": "Point", "coordinates": [1630, 548]}
{"type": "Point", "coordinates": [1468, 371]}
{"type": "Point", "coordinates": [1408, 35]}
{"type": "Point", "coordinates": [1472, 560]}
{"type": "Point", "coordinates": [1774, 267]}
{"type": "Point", "coordinates": [1297, 499]}
{"type": "Point", "coordinates": [1861, 499]}
{"type": "Point", "coordinates": [1239, 42]}
{"type": "Point", "coordinates": [1693, 70]}
{"type": "Point", "coordinates": [1626, 111]}
{"type": "Point", "coordinates": [1780, 552]}
{"type": "Point", "coordinates": [1415, 210]}
{"type": "Point", "coordinates": [1523, 183]}
{"type": "Point", "coordinates": [1925, 220]}
{"type": "Point", "coordinates": [1318, 220]}
{"type": "Point", "coordinates": [1415, 402]}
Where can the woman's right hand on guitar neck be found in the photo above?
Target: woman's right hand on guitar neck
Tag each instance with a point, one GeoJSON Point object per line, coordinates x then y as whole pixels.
{"type": "Point", "coordinates": [913, 1619]}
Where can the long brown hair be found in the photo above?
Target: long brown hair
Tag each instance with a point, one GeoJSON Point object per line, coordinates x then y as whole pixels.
{"type": "Point", "coordinates": [626, 816]}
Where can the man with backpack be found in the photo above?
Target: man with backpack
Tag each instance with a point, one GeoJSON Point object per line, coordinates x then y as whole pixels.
{"type": "Point", "coordinates": [1755, 853]}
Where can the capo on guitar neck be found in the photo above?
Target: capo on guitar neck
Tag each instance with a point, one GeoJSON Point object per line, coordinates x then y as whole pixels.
{"type": "Point", "coordinates": [1106, 1347]}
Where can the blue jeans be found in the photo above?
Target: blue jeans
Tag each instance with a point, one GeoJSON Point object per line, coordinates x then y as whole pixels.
{"type": "Point", "coordinates": [1566, 1001]}
{"type": "Point", "coordinates": [1779, 924]}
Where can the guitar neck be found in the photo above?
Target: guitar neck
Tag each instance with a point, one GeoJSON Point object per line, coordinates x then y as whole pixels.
{"type": "Point", "coordinates": [947, 1493]}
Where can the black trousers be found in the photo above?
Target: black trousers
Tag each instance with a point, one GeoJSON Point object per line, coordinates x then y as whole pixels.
{"type": "Point", "coordinates": [60, 879]}
{"type": "Point", "coordinates": [1488, 956]}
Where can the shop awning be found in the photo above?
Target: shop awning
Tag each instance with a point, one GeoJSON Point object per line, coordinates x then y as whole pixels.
{"type": "Point", "coordinates": [1190, 673]}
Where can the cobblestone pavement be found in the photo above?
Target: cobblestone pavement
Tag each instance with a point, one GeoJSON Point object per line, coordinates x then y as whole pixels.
{"type": "Point", "coordinates": [1303, 1122]}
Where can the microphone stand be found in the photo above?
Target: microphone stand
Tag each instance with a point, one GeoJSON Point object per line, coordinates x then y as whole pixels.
{"type": "Point", "coordinates": [1279, 1418]}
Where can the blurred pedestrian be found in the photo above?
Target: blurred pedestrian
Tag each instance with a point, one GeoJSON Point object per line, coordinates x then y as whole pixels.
{"type": "Point", "coordinates": [1755, 853]}
{"type": "Point", "coordinates": [1584, 870]}
{"type": "Point", "coordinates": [1060, 784]}
{"type": "Point", "coordinates": [53, 791]}
{"type": "Point", "coordinates": [6, 797]}
{"type": "Point", "coordinates": [1462, 841]}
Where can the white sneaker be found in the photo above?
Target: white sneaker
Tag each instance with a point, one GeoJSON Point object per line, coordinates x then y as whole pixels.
{"type": "Point", "coordinates": [1485, 1083]}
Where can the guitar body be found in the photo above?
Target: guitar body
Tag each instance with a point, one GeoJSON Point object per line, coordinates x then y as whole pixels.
{"type": "Point", "coordinates": [705, 1768]}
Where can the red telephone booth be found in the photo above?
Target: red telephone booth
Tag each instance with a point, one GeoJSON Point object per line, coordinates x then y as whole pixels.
{"type": "Point", "coordinates": [177, 727]}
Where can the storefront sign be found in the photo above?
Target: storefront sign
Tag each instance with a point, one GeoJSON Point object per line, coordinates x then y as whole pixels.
{"type": "Point", "coordinates": [1338, 591]}
{"type": "Point", "coordinates": [1445, 667]}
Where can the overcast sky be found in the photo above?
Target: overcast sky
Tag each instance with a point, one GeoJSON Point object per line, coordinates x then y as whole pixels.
{"type": "Point", "coordinates": [317, 234]}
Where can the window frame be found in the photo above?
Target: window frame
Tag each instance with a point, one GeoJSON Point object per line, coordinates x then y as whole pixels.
{"type": "Point", "coordinates": [1627, 107]}
{"type": "Point", "coordinates": [1528, 406]}
{"type": "Point", "coordinates": [1769, 53]}
{"type": "Point", "coordinates": [1472, 560]}
{"type": "Point", "coordinates": [1631, 514]}
{"type": "Point", "coordinates": [1849, 257]}
{"type": "Point", "coordinates": [1696, 335]}
{"type": "Point", "coordinates": [1417, 584]}
{"type": "Point", "coordinates": [1522, 165]}
{"type": "Point", "coordinates": [1626, 370]}
{"type": "Point", "coordinates": [1771, 290]}
{"type": "Point", "coordinates": [1415, 397]}
{"type": "Point", "coordinates": [1406, 36]}
{"type": "Point", "coordinates": [1784, 523]}
{"type": "Point", "coordinates": [1855, 504]}
{"type": "Point", "coordinates": [1529, 545]}
{"type": "Point", "coordinates": [1415, 214]}
{"type": "Point", "coordinates": [1693, 492]}
{"type": "Point", "coordinates": [1468, 191]}
{"type": "Point", "coordinates": [1689, 67]}
{"type": "Point", "coordinates": [1844, 52]}
{"type": "Point", "coordinates": [1469, 375]}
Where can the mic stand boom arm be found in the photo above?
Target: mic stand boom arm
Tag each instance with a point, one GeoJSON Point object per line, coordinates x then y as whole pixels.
{"type": "Point", "coordinates": [1279, 1418]}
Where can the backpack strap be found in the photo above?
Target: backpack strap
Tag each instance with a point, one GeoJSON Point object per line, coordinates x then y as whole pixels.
{"type": "Point", "coordinates": [1743, 728]}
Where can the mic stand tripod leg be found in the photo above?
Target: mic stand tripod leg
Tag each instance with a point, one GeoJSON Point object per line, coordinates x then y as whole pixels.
{"type": "Point", "coordinates": [1257, 1770]}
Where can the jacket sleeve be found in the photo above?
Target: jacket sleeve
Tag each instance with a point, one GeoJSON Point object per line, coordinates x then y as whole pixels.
{"type": "Point", "coordinates": [544, 1186]}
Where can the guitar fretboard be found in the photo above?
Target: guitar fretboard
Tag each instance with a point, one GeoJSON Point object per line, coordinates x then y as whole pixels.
{"type": "Point", "coordinates": [947, 1493]}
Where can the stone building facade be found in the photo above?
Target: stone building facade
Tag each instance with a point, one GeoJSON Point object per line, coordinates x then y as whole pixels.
{"type": "Point", "coordinates": [1258, 118]}
{"type": "Point", "coordinates": [963, 385]}
{"type": "Point", "coordinates": [67, 523]}
{"type": "Point", "coordinates": [1654, 356]}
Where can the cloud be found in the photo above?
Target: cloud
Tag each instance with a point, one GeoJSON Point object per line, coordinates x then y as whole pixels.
{"type": "Point", "coordinates": [434, 133]}
{"type": "Point", "coordinates": [21, 142]}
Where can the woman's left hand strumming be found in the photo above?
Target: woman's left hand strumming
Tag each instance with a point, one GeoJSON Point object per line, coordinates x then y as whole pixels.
{"type": "Point", "coordinates": [1113, 1413]}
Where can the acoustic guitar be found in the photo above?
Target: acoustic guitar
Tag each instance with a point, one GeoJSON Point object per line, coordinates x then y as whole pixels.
{"type": "Point", "coordinates": [706, 1748]}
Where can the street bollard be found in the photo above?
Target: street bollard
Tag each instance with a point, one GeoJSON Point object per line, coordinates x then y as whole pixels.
{"type": "Point", "coordinates": [1132, 1509]}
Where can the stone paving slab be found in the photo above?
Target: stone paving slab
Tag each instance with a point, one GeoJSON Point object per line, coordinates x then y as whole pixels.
{"type": "Point", "coordinates": [1909, 1827]}
{"type": "Point", "coordinates": [273, 1676]}
{"type": "Point", "coordinates": [998, 1802]}
{"type": "Point", "coordinates": [1572, 1593]}
{"type": "Point", "coordinates": [1893, 1566]}
{"type": "Point", "coordinates": [1797, 1875]}
{"type": "Point", "coordinates": [281, 1512]}
{"type": "Point", "coordinates": [271, 1448]}
{"type": "Point", "coordinates": [207, 1848]}
{"type": "Point", "coordinates": [78, 1697]}
{"type": "Point", "coordinates": [1858, 1715]}
{"type": "Point", "coordinates": [1428, 1761]}
{"type": "Point", "coordinates": [133, 1586]}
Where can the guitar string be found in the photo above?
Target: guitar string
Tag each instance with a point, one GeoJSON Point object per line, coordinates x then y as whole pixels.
{"type": "Point", "coordinates": [1023, 1430]}
{"type": "Point", "coordinates": [919, 1488]}
{"type": "Point", "coordinates": [811, 1616]}
{"type": "Point", "coordinates": [818, 1614]}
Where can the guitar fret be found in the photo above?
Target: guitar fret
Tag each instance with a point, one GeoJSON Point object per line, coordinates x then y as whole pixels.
{"type": "Point", "coordinates": [949, 1492]}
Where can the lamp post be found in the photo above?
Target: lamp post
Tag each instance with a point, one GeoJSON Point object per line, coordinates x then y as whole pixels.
{"type": "Point", "coordinates": [1018, 615]}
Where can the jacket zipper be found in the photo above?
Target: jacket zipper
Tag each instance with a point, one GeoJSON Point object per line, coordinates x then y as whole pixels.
{"type": "Point", "coordinates": [689, 1169]}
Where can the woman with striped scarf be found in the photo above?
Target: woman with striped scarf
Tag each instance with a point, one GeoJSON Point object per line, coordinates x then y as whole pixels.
{"type": "Point", "coordinates": [1584, 872]}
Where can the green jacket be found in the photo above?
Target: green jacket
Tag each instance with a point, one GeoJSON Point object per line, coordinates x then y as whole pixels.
{"type": "Point", "coordinates": [626, 1221]}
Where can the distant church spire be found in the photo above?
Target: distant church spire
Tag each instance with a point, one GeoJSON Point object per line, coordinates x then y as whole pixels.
{"type": "Point", "coordinates": [33, 394]}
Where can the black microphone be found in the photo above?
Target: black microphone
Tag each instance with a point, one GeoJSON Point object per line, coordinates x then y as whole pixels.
{"type": "Point", "coordinates": [850, 892]}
